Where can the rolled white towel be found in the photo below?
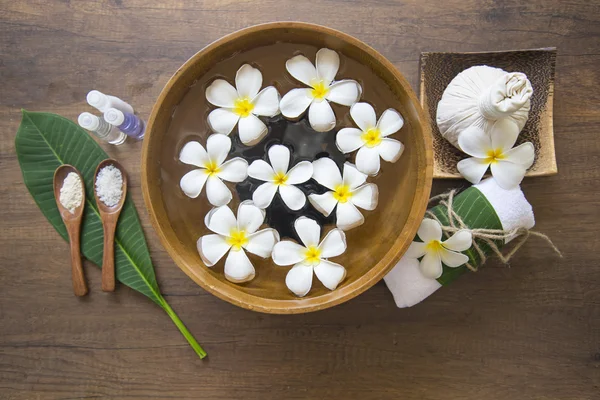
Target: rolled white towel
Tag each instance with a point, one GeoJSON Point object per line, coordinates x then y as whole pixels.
{"type": "Point", "coordinates": [409, 286]}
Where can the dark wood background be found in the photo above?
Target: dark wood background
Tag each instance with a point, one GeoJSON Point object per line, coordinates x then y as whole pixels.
{"type": "Point", "coordinates": [529, 331]}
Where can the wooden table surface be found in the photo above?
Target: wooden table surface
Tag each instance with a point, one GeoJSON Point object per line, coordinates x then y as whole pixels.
{"type": "Point", "coordinates": [529, 331]}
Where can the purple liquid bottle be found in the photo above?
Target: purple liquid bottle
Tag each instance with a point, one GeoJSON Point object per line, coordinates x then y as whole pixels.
{"type": "Point", "coordinates": [129, 124]}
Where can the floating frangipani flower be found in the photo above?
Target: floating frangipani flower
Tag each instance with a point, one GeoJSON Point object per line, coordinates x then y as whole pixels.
{"type": "Point", "coordinates": [371, 139]}
{"type": "Point", "coordinates": [242, 105]}
{"type": "Point", "coordinates": [311, 257]}
{"type": "Point", "coordinates": [435, 252]}
{"type": "Point", "coordinates": [236, 236]}
{"type": "Point", "coordinates": [277, 177]}
{"type": "Point", "coordinates": [322, 90]}
{"type": "Point", "coordinates": [212, 170]}
{"type": "Point", "coordinates": [495, 150]}
{"type": "Point", "coordinates": [347, 193]}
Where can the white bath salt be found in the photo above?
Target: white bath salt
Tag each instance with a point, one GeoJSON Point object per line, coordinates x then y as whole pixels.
{"type": "Point", "coordinates": [109, 185]}
{"type": "Point", "coordinates": [71, 193]}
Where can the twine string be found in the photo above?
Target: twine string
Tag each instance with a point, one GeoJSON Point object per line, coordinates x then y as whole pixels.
{"type": "Point", "coordinates": [487, 236]}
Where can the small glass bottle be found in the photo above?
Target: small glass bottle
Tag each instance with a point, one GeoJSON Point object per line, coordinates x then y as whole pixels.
{"type": "Point", "coordinates": [129, 124]}
{"type": "Point", "coordinates": [100, 128]}
{"type": "Point", "coordinates": [103, 102]}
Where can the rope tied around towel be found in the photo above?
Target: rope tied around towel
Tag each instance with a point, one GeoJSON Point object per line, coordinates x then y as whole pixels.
{"type": "Point", "coordinates": [488, 236]}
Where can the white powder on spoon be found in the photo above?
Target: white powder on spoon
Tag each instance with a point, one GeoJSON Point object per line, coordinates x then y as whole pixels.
{"type": "Point", "coordinates": [71, 194]}
{"type": "Point", "coordinates": [109, 185]}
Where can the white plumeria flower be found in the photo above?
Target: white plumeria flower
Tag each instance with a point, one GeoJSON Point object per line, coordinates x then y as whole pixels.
{"type": "Point", "coordinates": [435, 252]}
{"type": "Point", "coordinates": [242, 105]}
{"type": "Point", "coordinates": [347, 193]}
{"type": "Point", "coordinates": [495, 150]}
{"type": "Point", "coordinates": [236, 236]}
{"type": "Point", "coordinates": [371, 138]}
{"type": "Point", "coordinates": [212, 170]}
{"type": "Point", "coordinates": [277, 178]}
{"type": "Point", "coordinates": [322, 90]}
{"type": "Point", "coordinates": [311, 257]}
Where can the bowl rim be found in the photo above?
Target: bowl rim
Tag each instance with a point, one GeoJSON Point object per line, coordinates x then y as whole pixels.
{"type": "Point", "coordinates": [340, 295]}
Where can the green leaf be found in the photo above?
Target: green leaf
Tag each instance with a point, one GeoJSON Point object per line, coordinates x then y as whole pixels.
{"type": "Point", "coordinates": [44, 142]}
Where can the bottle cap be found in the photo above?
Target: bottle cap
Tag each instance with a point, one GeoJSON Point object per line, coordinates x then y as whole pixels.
{"type": "Point", "coordinates": [96, 99]}
{"type": "Point", "coordinates": [88, 121]}
{"type": "Point", "coordinates": [114, 116]}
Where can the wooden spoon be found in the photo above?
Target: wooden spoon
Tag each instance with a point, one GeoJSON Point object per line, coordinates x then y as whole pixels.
{"type": "Point", "coordinates": [73, 223]}
{"type": "Point", "coordinates": [109, 216]}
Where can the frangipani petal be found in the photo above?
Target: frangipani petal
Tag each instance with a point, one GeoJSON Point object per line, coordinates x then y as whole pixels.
{"type": "Point", "coordinates": [327, 173]}
{"type": "Point", "coordinates": [263, 195]}
{"type": "Point", "coordinates": [302, 69]}
{"type": "Point", "coordinates": [333, 244]}
{"type": "Point", "coordinates": [266, 102]}
{"type": "Point", "coordinates": [221, 220]}
{"type": "Point", "coordinates": [261, 170]}
{"type": "Point", "coordinates": [299, 279]}
{"type": "Point", "coordinates": [212, 248]}
{"type": "Point", "coordinates": [323, 203]}
{"type": "Point", "coordinates": [352, 176]}
{"type": "Point", "coordinates": [222, 120]}
{"type": "Point", "coordinates": [308, 230]}
{"type": "Point", "coordinates": [293, 197]}
{"type": "Point", "coordinates": [429, 230]}
{"type": "Point", "coordinates": [279, 156]}
{"type": "Point", "coordinates": [300, 173]}
{"type": "Point", "coordinates": [330, 274]}
{"type": "Point", "coordinates": [217, 192]}
{"type": "Point", "coordinates": [390, 122]}
{"type": "Point", "coordinates": [390, 149]}
{"type": "Point", "coordinates": [194, 154]}
{"type": "Point", "coordinates": [238, 267]}
{"type": "Point", "coordinates": [472, 169]}
{"type": "Point", "coordinates": [367, 160]}
{"type": "Point", "coordinates": [248, 81]}
{"type": "Point", "coordinates": [416, 250]}
{"type": "Point", "coordinates": [328, 63]}
{"type": "Point", "coordinates": [475, 142]}
{"type": "Point", "coordinates": [345, 92]}
{"type": "Point", "coordinates": [218, 146]}
{"type": "Point", "coordinates": [321, 116]}
{"type": "Point", "coordinates": [287, 253]}
{"type": "Point", "coordinates": [348, 216]}
{"type": "Point", "coordinates": [431, 265]}
{"type": "Point", "coordinates": [295, 102]}
{"type": "Point", "coordinates": [460, 241]}
{"type": "Point", "coordinates": [363, 115]}
{"type": "Point", "coordinates": [504, 134]}
{"type": "Point", "coordinates": [193, 182]}
{"type": "Point", "coordinates": [453, 259]}
{"type": "Point", "coordinates": [507, 174]}
{"type": "Point", "coordinates": [366, 197]}
{"type": "Point", "coordinates": [249, 217]}
{"type": "Point", "coordinates": [348, 139]}
{"type": "Point", "coordinates": [261, 243]}
{"type": "Point", "coordinates": [251, 129]}
{"type": "Point", "coordinates": [221, 94]}
{"type": "Point", "coordinates": [234, 170]}
{"type": "Point", "coordinates": [523, 154]}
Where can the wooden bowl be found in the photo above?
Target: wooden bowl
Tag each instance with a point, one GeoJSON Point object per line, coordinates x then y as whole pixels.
{"type": "Point", "coordinates": [180, 113]}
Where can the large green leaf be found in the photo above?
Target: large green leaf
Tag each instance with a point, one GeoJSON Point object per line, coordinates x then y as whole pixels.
{"type": "Point", "coordinates": [44, 142]}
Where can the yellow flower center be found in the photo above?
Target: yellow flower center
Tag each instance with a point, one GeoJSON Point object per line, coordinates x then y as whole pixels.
{"type": "Point", "coordinates": [493, 156]}
{"type": "Point", "coordinates": [319, 90]}
{"type": "Point", "coordinates": [243, 107]}
{"type": "Point", "coordinates": [211, 168]}
{"type": "Point", "coordinates": [237, 239]}
{"type": "Point", "coordinates": [280, 178]}
{"type": "Point", "coordinates": [312, 255]}
{"type": "Point", "coordinates": [372, 137]}
{"type": "Point", "coordinates": [342, 193]}
{"type": "Point", "coordinates": [434, 246]}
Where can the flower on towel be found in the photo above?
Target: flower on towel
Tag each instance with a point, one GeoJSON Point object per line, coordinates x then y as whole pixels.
{"type": "Point", "coordinates": [347, 193]}
{"type": "Point", "coordinates": [212, 170]}
{"type": "Point", "coordinates": [236, 236]}
{"type": "Point", "coordinates": [242, 105]}
{"type": "Point", "coordinates": [495, 150]}
{"type": "Point", "coordinates": [311, 257]}
{"type": "Point", "coordinates": [277, 178]}
{"type": "Point", "coordinates": [435, 252]}
{"type": "Point", "coordinates": [370, 138]}
{"type": "Point", "coordinates": [322, 89]}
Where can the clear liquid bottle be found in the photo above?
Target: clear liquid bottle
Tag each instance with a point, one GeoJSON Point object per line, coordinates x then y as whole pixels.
{"type": "Point", "coordinates": [101, 129]}
{"type": "Point", "coordinates": [103, 102]}
{"type": "Point", "coordinates": [129, 124]}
